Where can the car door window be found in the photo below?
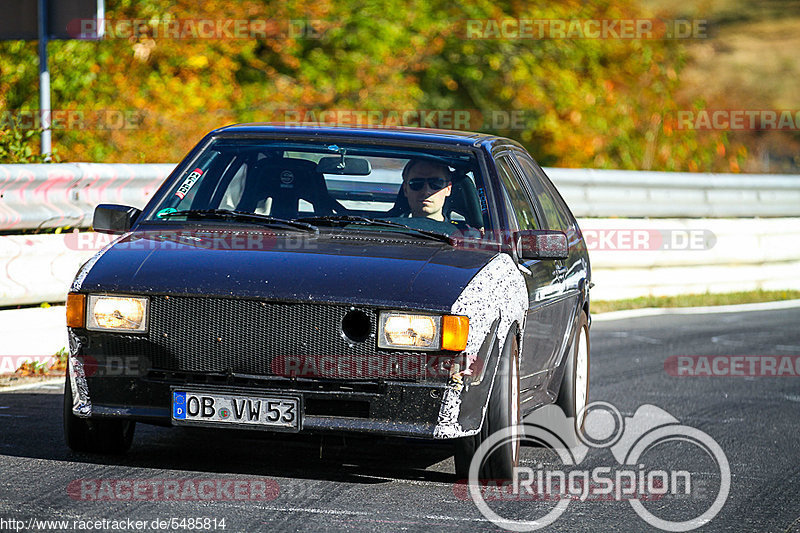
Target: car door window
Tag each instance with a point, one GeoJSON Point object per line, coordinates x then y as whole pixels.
{"type": "Point", "coordinates": [561, 207]}
{"type": "Point", "coordinates": [522, 207]}
{"type": "Point", "coordinates": [547, 198]}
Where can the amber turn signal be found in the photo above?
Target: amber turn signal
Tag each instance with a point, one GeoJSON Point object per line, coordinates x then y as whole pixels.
{"type": "Point", "coordinates": [76, 310]}
{"type": "Point", "coordinates": [455, 330]}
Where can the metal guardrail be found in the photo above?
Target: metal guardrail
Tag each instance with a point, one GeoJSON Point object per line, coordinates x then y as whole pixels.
{"type": "Point", "coordinates": [633, 193]}
{"type": "Point", "coordinates": [65, 194]}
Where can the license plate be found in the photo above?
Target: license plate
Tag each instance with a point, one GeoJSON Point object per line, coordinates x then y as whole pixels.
{"type": "Point", "coordinates": [278, 412]}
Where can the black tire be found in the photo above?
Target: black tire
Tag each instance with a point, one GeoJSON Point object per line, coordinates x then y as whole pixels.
{"type": "Point", "coordinates": [500, 415]}
{"type": "Point", "coordinates": [568, 398]}
{"type": "Point", "coordinates": [95, 436]}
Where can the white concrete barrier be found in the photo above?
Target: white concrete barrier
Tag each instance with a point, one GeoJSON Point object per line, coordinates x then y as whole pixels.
{"type": "Point", "coordinates": [630, 258]}
{"type": "Point", "coordinates": [665, 257]}
{"type": "Point", "coordinates": [37, 268]}
{"type": "Point", "coordinates": [32, 334]}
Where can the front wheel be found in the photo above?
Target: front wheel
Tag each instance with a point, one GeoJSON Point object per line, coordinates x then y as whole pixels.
{"type": "Point", "coordinates": [574, 391]}
{"type": "Point", "coordinates": [503, 412]}
{"type": "Point", "coordinates": [94, 436]}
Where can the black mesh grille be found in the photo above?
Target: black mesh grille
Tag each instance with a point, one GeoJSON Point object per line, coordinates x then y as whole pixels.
{"type": "Point", "coordinates": [196, 334]}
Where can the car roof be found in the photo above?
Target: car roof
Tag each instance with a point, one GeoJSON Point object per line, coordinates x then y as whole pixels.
{"type": "Point", "coordinates": [439, 136]}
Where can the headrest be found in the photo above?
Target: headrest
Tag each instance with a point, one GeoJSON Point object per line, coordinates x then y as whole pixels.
{"type": "Point", "coordinates": [286, 181]}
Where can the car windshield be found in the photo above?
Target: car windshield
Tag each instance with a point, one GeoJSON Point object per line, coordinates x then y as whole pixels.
{"type": "Point", "coordinates": [330, 185]}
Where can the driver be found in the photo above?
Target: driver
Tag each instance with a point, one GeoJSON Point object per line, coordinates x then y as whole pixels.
{"type": "Point", "coordinates": [427, 185]}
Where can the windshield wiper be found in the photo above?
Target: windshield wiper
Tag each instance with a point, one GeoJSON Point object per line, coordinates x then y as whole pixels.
{"type": "Point", "coordinates": [242, 215]}
{"type": "Point", "coordinates": [365, 221]}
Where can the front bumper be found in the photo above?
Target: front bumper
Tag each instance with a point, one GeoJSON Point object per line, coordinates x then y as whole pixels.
{"type": "Point", "coordinates": [107, 386]}
{"type": "Point", "coordinates": [399, 409]}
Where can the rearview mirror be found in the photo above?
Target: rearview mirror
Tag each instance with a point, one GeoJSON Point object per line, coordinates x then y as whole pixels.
{"type": "Point", "coordinates": [353, 166]}
{"type": "Point", "coordinates": [114, 219]}
{"type": "Point", "coordinates": [541, 244]}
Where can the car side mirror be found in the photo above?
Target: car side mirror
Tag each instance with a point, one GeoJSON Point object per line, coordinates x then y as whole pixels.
{"type": "Point", "coordinates": [541, 244]}
{"type": "Point", "coordinates": [114, 219]}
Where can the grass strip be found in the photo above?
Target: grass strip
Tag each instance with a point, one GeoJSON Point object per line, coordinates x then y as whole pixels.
{"type": "Point", "coordinates": [694, 300]}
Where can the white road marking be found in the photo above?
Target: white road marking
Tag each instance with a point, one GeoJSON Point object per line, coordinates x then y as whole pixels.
{"type": "Point", "coordinates": [634, 337]}
{"type": "Point", "coordinates": [708, 310]}
{"type": "Point", "coordinates": [787, 347]}
{"type": "Point", "coordinates": [344, 512]}
{"type": "Point", "coordinates": [45, 384]}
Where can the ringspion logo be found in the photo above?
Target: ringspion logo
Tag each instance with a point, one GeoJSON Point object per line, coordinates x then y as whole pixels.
{"type": "Point", "coordinates": [644, 470]}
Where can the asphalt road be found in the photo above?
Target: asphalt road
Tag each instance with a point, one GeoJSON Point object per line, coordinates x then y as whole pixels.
{"type": "Point", "coordinates": [380, 485]}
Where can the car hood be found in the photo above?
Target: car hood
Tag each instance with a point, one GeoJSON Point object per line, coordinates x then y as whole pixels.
{"type": "Point", "coordinates": [360, 268]}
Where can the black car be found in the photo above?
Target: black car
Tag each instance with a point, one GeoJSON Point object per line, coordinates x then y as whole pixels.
{"type": "Point", "coordinates": [400, 282]}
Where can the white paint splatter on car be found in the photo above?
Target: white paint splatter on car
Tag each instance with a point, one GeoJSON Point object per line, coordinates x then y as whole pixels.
{"type": "Point", "coordinates": [81, 404]}
{"type": "Point", "coordinates": [498, 289]}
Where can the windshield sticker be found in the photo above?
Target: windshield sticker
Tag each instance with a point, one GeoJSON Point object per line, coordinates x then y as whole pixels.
{"type": "Point", "coordinates": [287, 179]}
{"type": "Point", "coordinates": [188, 183]}
{"type": "Point", "coordinates": [482, 197]}
{"type": "Point", "coordinates": [165, 211]}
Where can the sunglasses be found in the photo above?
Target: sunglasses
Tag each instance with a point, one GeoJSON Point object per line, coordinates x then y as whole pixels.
{"type": "Point", "coordinates": [434, 184]}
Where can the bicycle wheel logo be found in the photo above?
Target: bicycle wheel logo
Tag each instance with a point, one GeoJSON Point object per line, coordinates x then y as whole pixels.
{"type": "Point", "coordinates": [629, 439]}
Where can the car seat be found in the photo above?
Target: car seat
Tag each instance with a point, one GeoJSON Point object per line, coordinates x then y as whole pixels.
{"type": "Point", "coordinates": [281, 183]}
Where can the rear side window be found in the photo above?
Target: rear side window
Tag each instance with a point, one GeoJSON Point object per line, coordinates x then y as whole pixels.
{"type": "Point", "coordinates": [523, 209]}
